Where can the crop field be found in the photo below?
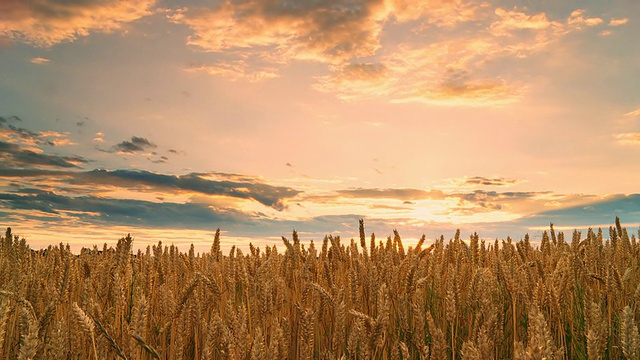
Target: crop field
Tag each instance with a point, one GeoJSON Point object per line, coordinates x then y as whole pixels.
{"type": "Point", "coordinates": [573, 297]}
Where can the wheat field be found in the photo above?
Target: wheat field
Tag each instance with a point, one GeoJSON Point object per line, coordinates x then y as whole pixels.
{"type": "Point", "coordinates": [367, 299]}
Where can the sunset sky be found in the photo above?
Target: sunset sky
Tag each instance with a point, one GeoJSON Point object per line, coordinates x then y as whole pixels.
{"type": "Point", "coordinates": [169, 119]}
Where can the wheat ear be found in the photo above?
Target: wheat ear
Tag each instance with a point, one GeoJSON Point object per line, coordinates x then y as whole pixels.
{"type": "Point", "coordinates": [87, 325]}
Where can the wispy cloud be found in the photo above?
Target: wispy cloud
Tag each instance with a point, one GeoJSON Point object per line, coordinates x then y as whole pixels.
{"type": "Point", "coordinates": [47, 23]}
{"type": "Point", "coordinates": [631, 138]}
{"type": "Point", "coordinates": [236, 70]}
{"type": "Point", "coordinates": [441, 73]}
{"type": "Point", "coordinates": [632, 114]}
{"type": "Point", "coordinates": [400, 194]}
{"type": "Point", "coordinates": [475, 181]}
{"type": "Point", "coordinates": [39, 60]}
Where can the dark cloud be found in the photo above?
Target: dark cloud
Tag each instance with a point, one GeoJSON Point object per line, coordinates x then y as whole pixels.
{"type": "Point", "coordinates": [25, 173]}
{"type": "Point", "coordinates": [5, 120]}
{"type": "Point", "coordinates": [487, 201]}
{"type": "Point", "coordinates": [136, 144]}
{"type": "Point", "coordinates": [23, 136]}
{"type": "Point", "coordinates": [160, 160]}
{"type": "Point", "coordinates": [241, 187]}
{"type": "Point", "coordinates": [479, 180]}
{"type": "Point", "coordinates": [49, 207]}
{"type": "Point", "coordinates": [20, 133]}
{"type": "Point", "coordinates": [121, 212]}
{"type": "Point", "coordinates": [627, 207]}
{"type": "Point", "coordinates": [16, 156]}
{"type": "Point", "coordinates": [268, 195]}
{"type": "Point", "coordinates": [481, 195]}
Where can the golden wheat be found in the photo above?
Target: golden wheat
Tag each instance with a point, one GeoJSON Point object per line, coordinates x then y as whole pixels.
{"type": "Point", "coordinates": [451, 300]}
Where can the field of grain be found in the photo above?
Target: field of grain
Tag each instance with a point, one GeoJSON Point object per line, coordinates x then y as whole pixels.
{"type": "Point", "coordinates": [367, 299]}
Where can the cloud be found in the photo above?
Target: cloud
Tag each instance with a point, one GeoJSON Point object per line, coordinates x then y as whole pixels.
{"type": "Point", "coordinates": [264, 36]}
{"type": "Point", "coordinates": [454, 71]}
{"type": "Point", "coordinates": [11, 132]}
{"type": "Point", "coordinates": [106, 211]}
{"type": "Point", "coordinates": [485, 181]}
{"type": "Point", "coordinates": [632, 114]}
{"type": "Point", "coordinates": [478, 201]}
{"type": "Point", "coordinates": [252, 40]}
{"type": "Point", "coordinates": [308, 30]}
{"type": "Point", "coordinates": [357, 80]}
{"type": "Point", "coordinates": [39, 60]}
{"type": "Point", "coordinates": [483, 196]}
{"type": "Point", "coordinates": [136, 144]}
{"type": "Point", "coordinates": [6, 120]}
{"type": "Point", "coordinates": [441, 13]}
{"type": "Point", "coordinates": [578, 20]}
{"type": "Point", "coordinates": [443, 73]}
{"type": "Point", "coordinates": [229, 185]}
{"type": "Point", "coordinates": [236, 70]}
{"type": "Point", "coordinates": [510, 21]}
{"type": "Point", "coordinates": [99, 137]}
{"type": "Point", "coordinates": [632, 138]}
{"type": "Point", "coordinates": [618, 22]}
{"type": "Point", "coordinates": [265, 194]}
{"type": "Point", "coordinates": [14, 155]}
{"type": "Point", "coordinates": [594, 213]}
{"type": "Point", "coordinates": [400, 194]}
{"type": "Point", "coordinates": [45, 23]}
{"type": "Point", "coordinates": [18, 135]}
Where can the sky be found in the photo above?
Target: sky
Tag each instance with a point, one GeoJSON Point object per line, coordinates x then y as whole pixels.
{"type": "Point", "coordinates": [169, 119]}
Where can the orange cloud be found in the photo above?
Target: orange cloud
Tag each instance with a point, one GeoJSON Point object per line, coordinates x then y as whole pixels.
{"type": "Point", "coordinates": [356, 81]}
{"type": "Point", "coordinates": [440, 73]}
{"type": "Point", "coordinates": [443, 13]}
{"type": "Point", "coordinates": [509, 21]}
{"type": "Point", "coordinates": [618, 22]}
{"type": "Point", "coordinates": [632, 138]}
{"type": "Point", "coordinates": [451, 72]}
{"type": "Point", "coordinates": [46, 23]}
{"type": "Point", "coordinates": [253, 39]}
{"type": "Point", "coordinates": [318, 31]}
{"type": "Point", "coordinates": [577, 19]}
{"type": "Point", "coordinates": [632, 114]}
{"type": "Point", "coordinates": [235, 70]}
